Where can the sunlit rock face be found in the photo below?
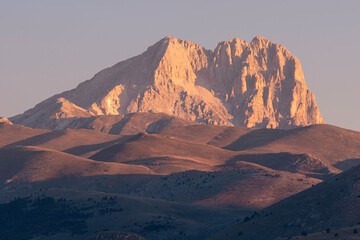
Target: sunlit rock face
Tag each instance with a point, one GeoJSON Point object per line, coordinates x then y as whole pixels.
{"type": "Point", "coordinates": [5, 120]}
{"type": "Point", "coordinates": [257, 84]}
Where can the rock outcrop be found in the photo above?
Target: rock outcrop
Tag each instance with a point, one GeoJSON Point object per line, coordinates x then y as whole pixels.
{"type": "Point", "coordinates": [5, 120]}
{"type": "Point", "coordinates": [257, 84]}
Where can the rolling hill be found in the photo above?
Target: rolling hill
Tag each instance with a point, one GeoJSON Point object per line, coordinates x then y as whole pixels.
{"type": "Point", "coordinates": [332, 204]}
{"type": "Point", "coordinates": [195, 166]}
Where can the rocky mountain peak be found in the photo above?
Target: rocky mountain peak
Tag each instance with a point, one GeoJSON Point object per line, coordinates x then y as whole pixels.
{"type": "Point", "coordinates": [259, 40]}
{"type": "Point", "coordinates": [257, 84]}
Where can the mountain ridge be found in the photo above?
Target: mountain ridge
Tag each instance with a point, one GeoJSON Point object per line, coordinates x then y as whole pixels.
{"type": "Point", "coordinates": [257, 84]}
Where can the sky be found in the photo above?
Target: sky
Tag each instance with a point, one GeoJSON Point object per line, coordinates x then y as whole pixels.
{"type": "Point", "coordinates": [49, 46]}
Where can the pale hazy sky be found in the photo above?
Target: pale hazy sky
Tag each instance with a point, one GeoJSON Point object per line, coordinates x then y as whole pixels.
{"type": "Point", "coordinates": [47, 47]}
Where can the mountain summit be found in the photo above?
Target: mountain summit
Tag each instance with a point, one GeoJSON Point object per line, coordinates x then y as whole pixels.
{"type": "Point", "coordinates": [257, 84]}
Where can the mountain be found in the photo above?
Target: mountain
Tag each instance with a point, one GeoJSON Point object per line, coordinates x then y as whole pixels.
{"type": "Point", "coordinates": [129, 124]}
{"type": "Point", "coordinates": [331, 205]}
{"type": "Point", "coordinates": [257, 84]}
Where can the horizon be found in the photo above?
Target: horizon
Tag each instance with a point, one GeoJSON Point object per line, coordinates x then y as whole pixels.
{"type": "Point", "coordinates": [56, 54]}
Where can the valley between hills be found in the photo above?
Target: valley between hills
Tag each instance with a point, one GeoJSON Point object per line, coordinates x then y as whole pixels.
{"type": "Point", "coordinates": [180, 143]}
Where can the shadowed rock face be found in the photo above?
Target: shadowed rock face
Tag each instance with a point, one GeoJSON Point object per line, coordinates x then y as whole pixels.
{"type": "Point", "coordinates": [257, 84]}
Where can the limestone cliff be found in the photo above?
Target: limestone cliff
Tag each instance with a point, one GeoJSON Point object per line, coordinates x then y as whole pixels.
{"type": "Point", "coordinates": [257, 84]}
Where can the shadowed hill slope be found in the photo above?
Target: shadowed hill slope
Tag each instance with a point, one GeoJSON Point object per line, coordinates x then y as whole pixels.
{"type": "Point", "coordinates": [331, 204]}
{"type": "Point", "coordinates": [98, 211]}
{"type": "Point", "coordinates": [329, 144]}
{"type": "Point", "coordinates": [144, 146]}
{"type": "Point", "coordinates": [34, 164]}
{"type": "Point", "coordinates": [13, 133]}
{"type": "Point", "coordinates": [70, 141]}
